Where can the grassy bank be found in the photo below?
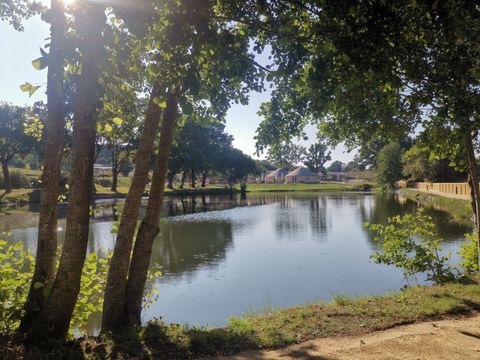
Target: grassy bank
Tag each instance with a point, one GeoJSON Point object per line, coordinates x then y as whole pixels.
{"type": "Point", "coordinates": [344, 316]}
{"type": "Point", "coordinates": [308, 187]}
{"type": "Point", "coordinates": [459, 210]}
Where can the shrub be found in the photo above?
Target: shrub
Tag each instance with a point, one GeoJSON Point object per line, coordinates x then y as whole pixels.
{"type": "Point", "coordinates": [105, 182]}
{"type": "Point", "coordinates": [410, 242]}
{"type": "Point", "coordinates": [469, 254]}
{"type": "Point", "coordinates": [18, 180]}
{"type": "Point", "coordinates": [16, 271]}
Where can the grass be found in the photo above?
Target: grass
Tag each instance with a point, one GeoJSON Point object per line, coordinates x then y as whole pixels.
{"type": "Point", "coordinates": [307, 187]}
{"type": "Point", "coordinates": [277, 328]}
{"type": "Point", "coordinates": [459, 210]}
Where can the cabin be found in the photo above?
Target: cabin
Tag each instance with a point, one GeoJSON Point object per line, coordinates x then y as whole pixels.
{"type": "Point", "coordinates": [301, 175]}
{"type": "Point", "coordinates": [275, 177]}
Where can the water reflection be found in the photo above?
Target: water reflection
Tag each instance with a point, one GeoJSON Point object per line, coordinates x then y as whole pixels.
{"type": "Point", "coordinates": [183, 247]}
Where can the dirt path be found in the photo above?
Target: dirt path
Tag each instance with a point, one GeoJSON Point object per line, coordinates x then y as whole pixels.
{"type": "Point", "coordinates": [446, 339]}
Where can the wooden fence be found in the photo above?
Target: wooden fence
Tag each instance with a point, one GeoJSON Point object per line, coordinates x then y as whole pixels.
{"type": "Point", "coordinates": [456, 190]}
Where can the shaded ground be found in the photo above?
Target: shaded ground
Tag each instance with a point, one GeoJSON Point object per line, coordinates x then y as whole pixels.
{"type": "Point", "coordinates": [446, 339]}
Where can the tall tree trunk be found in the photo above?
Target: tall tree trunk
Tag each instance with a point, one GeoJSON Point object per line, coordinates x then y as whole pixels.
{"type": "Point", "coordinates": [114, 178]}
{"type": "Point", "coordinates": [192, 179]}
{"type": "Point", "coordinates": [204, 178]}
{"type": "Point", "coordinates": [182, 182]}
{"type": "Point", "coordinates": [52, 161]}
{"type": "Point", "coordinates": [171, 176]}
{"type": "Point", "coordinates": [137, 274]}
{"type": "Point", "coordinates": [114, 301]}
{"type": "Point", "coordinates": [6, 177]}
{"type": "Point", "coordinates": [54, 320]}
{"type": "Point", "coordinates": [115, 167]}
{"type": "Point", "coordinates": [472, 172]}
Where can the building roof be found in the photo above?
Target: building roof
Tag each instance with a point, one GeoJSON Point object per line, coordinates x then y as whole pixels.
{"type": "Point", "coordinates": [301, 171]}
{"type": "Point", "coordinates": [276, 173]}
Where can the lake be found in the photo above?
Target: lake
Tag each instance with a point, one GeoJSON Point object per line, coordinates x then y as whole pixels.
{"type": "Point", "coordinates": [223, 256]}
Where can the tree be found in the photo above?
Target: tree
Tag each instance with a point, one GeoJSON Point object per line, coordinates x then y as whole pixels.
{"type": "Point", "coordinates": [351, 166]}
{"type": "Point", "coordinates": [419, 164]}
{"type": "Point", "coordinates": [336, 166]}
{"type": "Point", "coordinates": [316, 157]}
{"type": "Point", "coordinates": [13, 140]}
{"type": "Point", "coordinates": [389, 164]}
{"type": "Point", "coordinates": [54, 319]}
{"type": "Point", "coordinates": [286, 155]}
{"type": "Point", "coordinates": [190, 43]}
{"type": "Point", "coordinates": [237, 166]}
{"type": "Point", "coordinates": [198, 148]}
{"type": "Point", "coordinates": [52, 161]}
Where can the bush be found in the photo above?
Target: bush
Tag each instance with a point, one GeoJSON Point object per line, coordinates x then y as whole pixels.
{"type": "Point", "coordinates": [410, 242]}
{"type": "Point", "coordinates": [16, 271]}
{"type": "Point", "coordinates": [18, 180]}
{"type": "Point", "coordinates": [105, 182]}
{"type": "Point", "coordinates": [469, 254]}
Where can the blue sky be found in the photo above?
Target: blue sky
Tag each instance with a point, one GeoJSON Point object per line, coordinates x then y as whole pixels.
{"type": "Point", "coordinates": [20, 48]}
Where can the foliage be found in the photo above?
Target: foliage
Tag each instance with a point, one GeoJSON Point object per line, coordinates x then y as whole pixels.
{"type": "Point", "coordinates": [336, 166]}
{"type": "Point", "coordinates": [410, 242]}
{"type": "Point", "coordinates": [14, 11]}
{"type": "Point", "coordinates": [90, 298]}
{"type": "Point", "coordinates": [421, 165]}
{"type": "Point", "coordinates": [389, 164]}
{"type": "Point", "coordinates": [16, 270]}
{"type": "Point", "coordinates": [469, 254]}
{"type": "Point", "coordinates": [286, 155]}
{"type": "Point", "coordinates": [316, 157]}
{"type": "Point", "coordinates": [13, 140]}
{"type": "Point", "coordinates": [236, 165]}
{"type": "Point", "coordinates": [18, 180]}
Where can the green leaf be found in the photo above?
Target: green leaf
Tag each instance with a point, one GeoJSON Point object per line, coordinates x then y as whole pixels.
{"type": "Point", "coordinates": [117, 121]}
{"type": "Point", "coordinates": [40, 63]}
{"type": "Point", "coordinates": [160, 102]}
{"type": "Point", "coordinates": [108, 127]}
{"type": "Point", "coordinates": [27, 87]}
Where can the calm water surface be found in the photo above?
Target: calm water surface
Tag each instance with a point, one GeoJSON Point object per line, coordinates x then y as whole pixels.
{"type": "Point", "coordinates": [224, 256]}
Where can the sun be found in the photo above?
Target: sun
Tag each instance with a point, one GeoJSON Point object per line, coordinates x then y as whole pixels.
{"type": "Point", "coordinates": [68, 2]}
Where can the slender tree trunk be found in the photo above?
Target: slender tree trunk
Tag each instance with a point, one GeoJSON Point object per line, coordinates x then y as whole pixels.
{"type": "Point", "coordinates": [115, 168]}
{"type": "Point", "coordinates": [182, 183]}
{"type": "Point", "coordinates": [114, 301]}
{"type": "Point", "coordinates": [137, 274]}
{"type": "Point", "coordinates": [472, 172]}
{"type": "Point", "coordinates": [204, 178]}
{"type": "Point", "coordinates": [114, 178]}
{"type": "Point", "coordinates": [47, 225]}
{"type": "Point", "coordinates": [171, 176]}
{"type": "Point", "coordinates": [192, 179]}
{"type": "Point", "coordinates": [54, 320]}
{"type": "Point", "coordinates": [6, 177]}
{"type": "Point", "coordinates": [472, 202]}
